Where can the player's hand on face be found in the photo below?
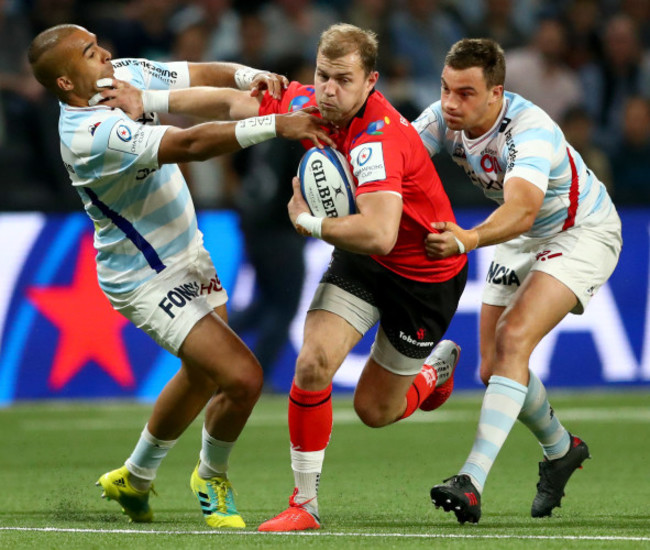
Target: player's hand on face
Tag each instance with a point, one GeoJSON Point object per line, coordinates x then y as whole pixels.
{"type": "Point", "coordinates": [274, 83]}
{"type": "Point", "coordinates": [122, 95]}
{"type": "Point", "coordinates": [444, 240]}
{"type": "Point", "coordinates": [297, 205]}
{"type": "Point", "coordinates": [303, 124]}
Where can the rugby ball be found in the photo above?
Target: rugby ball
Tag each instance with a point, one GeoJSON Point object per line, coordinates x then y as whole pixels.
{"type": "Point", "coordinates": [326, 183]}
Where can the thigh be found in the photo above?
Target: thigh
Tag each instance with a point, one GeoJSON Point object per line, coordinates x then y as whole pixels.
{"type": "Point", "coordinates": [508, 269]}
{"type": "Point", "coordinates": [212, 349]}
{"type": "Point", "coordinates": [414, 318]}
{"type": "Point", "coordinates": [167, 306]}
{"type": "Point", "coordinates": [582, 258]}
{"type": "Point", "coordinates": [539, 305]}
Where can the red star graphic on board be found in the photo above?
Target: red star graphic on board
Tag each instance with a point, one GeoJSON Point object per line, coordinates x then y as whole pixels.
{"type": "Point", "coordinates": [90, 328]}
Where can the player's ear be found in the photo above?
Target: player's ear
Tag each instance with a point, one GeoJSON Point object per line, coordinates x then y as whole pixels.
{"type": "Point", "coordinates": [496, 93]}
{"type": "Point", "coordinates": [64, 83]}
{"type": "Point", "coordinates": [373, 77]}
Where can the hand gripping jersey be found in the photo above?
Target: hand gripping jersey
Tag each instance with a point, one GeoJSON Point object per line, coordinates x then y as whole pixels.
{"type": "Point", "coordinates": [524, 142]}
{"type": "Point", "coordinates": [143, 212]}
{"type": "Point", "coordinates": [386, 154]}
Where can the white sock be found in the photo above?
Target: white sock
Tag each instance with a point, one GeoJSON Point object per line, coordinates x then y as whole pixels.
{"type": "Point", "coordinates": [214, 456]}
{"type": "Point", "coordinates": [146, 458]}
{"type": "Point", "coordinates": [307, 467]}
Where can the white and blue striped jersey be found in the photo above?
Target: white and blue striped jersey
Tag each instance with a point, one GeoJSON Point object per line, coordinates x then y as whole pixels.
{"type": "Point", "coordinates": [524, 142]}
{"type": "Point", "coordinates": [142, 212]}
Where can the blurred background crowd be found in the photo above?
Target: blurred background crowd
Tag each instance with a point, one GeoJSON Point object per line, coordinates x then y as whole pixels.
{"type": "Point", "coordinates": [586, 62]}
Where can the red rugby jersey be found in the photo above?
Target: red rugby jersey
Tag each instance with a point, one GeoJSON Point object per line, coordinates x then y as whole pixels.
{"type": "Point", "coordinates": [386, 154]}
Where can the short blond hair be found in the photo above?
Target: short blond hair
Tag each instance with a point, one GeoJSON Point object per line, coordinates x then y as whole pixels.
{"type": "Point", "coordinates": [342, 39]}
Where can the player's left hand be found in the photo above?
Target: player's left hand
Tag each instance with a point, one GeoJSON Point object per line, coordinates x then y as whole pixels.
{"type": "Point", "coordinates": [122, 95]}
{"type": "Point", "coordinates": [297, 205]}
{"type": "Point", "coordinates": [274, 83]}
{"type": "Point", "coordinates": [449, 239]}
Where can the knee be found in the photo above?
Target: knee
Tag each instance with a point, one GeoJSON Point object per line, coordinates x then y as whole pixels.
{"type": "Point", "coordinates": [312, 369]}
{"type": "Point", "coordinates": [510, 338]}
{"type": "Point", "coordinates": [246, 384]}
{"type": "Point", "coordinates": [241, 384]}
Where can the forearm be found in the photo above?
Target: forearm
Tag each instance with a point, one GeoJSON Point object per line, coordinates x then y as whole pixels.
{"type": "Point", "coordinates": [354, 234]}
{"type": "Point", "coordinates": [212, 103]}
{"type": "Point", "coordinates": [211, 139]}
{"type": "Point", "coordinates": [220, 74]}
{"type": "Point", "coordinates": [505, 223]}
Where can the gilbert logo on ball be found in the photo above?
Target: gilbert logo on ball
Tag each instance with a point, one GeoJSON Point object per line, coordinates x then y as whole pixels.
{"type": "Point", "coordinates": [326, 183]}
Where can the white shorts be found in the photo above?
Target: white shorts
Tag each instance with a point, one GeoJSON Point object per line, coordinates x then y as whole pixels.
{"type": "Point", "coordinates": [169, 305]}
{"type": "Point", "coordinates": [582, 258]}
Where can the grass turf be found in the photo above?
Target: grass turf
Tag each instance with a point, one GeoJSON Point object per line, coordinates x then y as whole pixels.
{"type": "Point", "coordinates": [374, 488]}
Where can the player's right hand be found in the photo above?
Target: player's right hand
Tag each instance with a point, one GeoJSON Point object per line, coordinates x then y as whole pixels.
{"type": "Point", "coordinates": [449, 239]}
{"type": "Point", "coordinates": [123, 95]}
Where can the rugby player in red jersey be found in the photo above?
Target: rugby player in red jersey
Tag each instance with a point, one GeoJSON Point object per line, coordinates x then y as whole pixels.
{"type": "Point", "coordinates": [379, 273]}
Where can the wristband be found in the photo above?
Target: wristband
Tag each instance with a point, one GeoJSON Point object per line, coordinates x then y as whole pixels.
{"type": "Point", "coordinates": [255, 130]}
{"type": "Point", "coordinates": [155, 101]}
{"type": "Point", "coordinates": [461, 246]}
{"type": "Point", "coordinates": [245, 76]}
{"type": "Point", "coordinates": [310, 223]}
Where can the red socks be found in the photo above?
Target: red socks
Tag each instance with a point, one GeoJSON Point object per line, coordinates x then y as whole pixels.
{"type": "Point", "coordinates": [422, 387]}
{"type": "Point", "coordinates": [310, 418]}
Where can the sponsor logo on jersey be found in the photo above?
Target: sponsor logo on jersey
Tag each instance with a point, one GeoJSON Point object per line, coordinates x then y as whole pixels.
{"type": "Point", "coordinates": [501, 275]}
{"type": "Point", "coordinates": [373, 129]}
{"type": "Point", "coordinates": [546, 255]}
{"type": "Point", "coordinates": [512, 150]}
{"type": "Point", "coordinates": [364, 156]}
{"type": "Point", "coordinates": [93, 127]}
{"type": "Point", "coordinates": [159, 72]}
{"type": "Point", "coordinates": [124, 133]}
{"type": "Point", "coordinates": [300, 101]}
{"type": "Point", "coordinates": [490, 163]}
{"type": "Point", "coordinates": [368, 162]}
{"type": "Point", "coordinates": [127, 139]}
{"type": "Point", "coordinates": [179, 296]}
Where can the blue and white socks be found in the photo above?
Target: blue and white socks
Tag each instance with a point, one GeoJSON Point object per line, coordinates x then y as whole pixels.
{"type": "Point", "coordinates": [501, 405]}
{"type": "Point", "coordinates": [538, 416]}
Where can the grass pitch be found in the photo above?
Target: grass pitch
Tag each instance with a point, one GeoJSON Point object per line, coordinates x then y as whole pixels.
{"type": "Point", "coordinates": [374, 489]}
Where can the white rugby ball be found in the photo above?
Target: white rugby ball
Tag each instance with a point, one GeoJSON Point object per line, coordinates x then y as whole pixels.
{"type": "Point", "coordinates": [326, 183]}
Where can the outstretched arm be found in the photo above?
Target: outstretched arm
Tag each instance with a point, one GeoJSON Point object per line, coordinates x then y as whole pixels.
{"type": "Point", "coordinates": [242, 77]}
{"type": "Point", "coordinates": [202, 102]}
{"type": "Point", "coordinates": [522, 201]}
{"type": "Point", "coordinates": [211, 139]}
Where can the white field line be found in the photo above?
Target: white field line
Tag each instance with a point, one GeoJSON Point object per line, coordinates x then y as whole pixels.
{"type": "Point", "coordinates": [596, 414]}
{"type": "Point", "coordinates": [330, 534]}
